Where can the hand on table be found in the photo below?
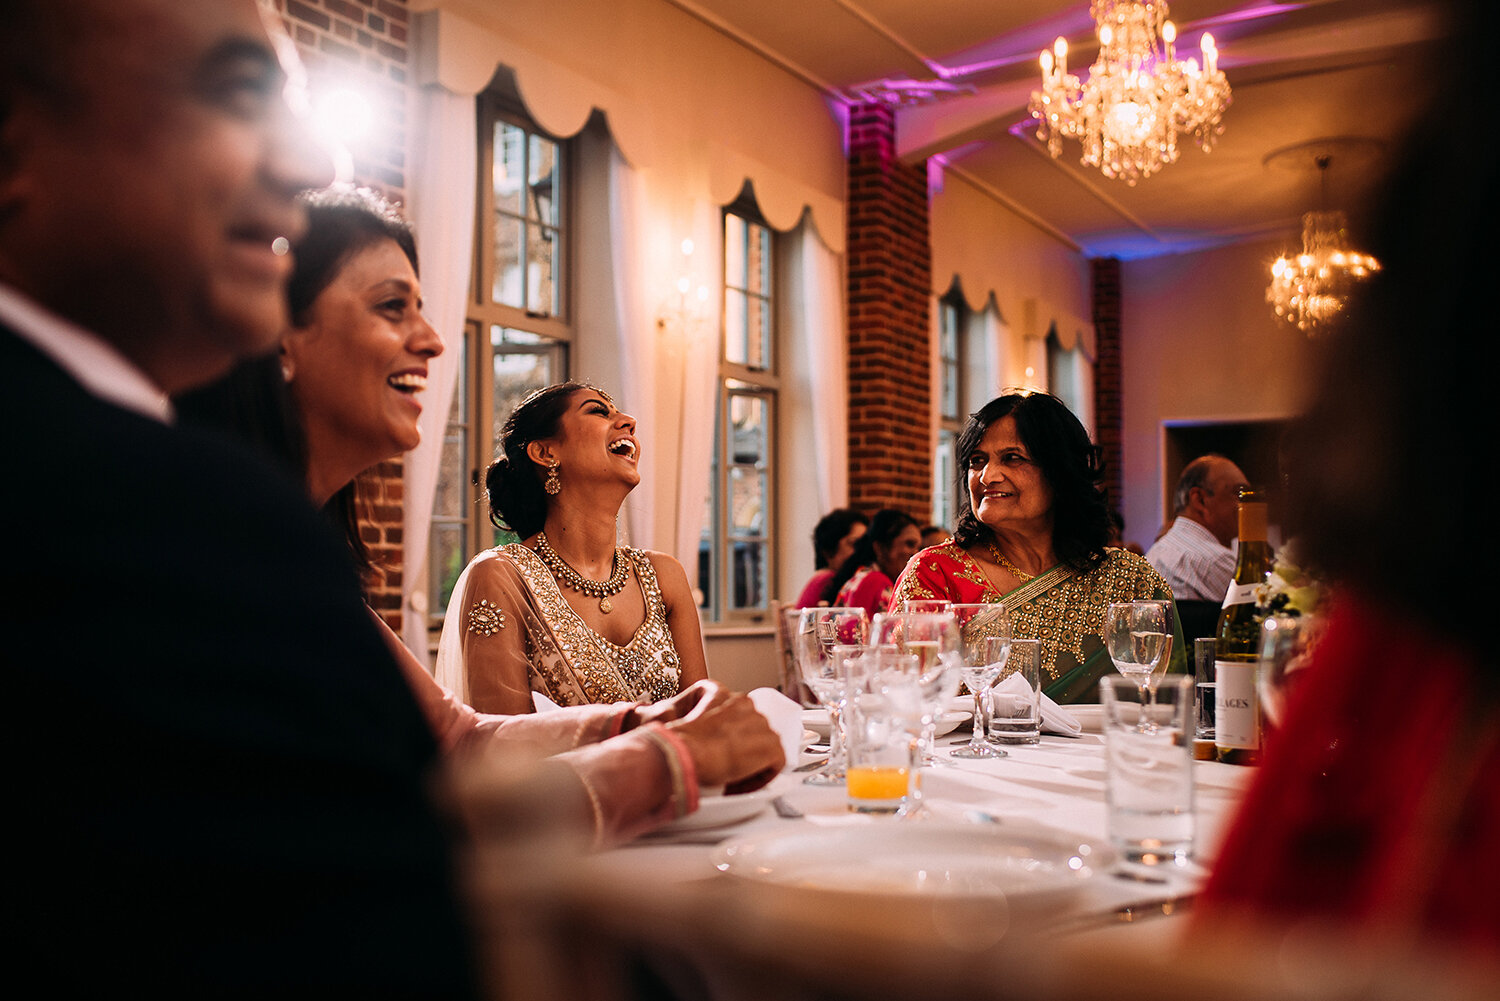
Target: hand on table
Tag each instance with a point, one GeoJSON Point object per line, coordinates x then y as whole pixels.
{"type": "Point", "coordinates": [678, 706]}
{"type": "Point", "coordinates": [731, 743]}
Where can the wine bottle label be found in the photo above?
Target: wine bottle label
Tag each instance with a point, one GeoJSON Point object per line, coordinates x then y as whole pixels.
{"type": "Point", "coordinates": [1236, 708]}
{"type": "Point", "coordinates": [1240, 594]}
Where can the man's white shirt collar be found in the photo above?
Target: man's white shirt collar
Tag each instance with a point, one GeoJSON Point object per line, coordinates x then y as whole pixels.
{"type": "Point", "coordinates": [94, 363]}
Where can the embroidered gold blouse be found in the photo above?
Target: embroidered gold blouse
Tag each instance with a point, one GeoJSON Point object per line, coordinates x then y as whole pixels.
{"type": "Point", "coordinates": [519, 633]}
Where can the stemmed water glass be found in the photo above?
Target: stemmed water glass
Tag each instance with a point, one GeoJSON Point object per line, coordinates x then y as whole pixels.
{"type": "Point", "coordinates": [976, 624]}
{"type": "Point", "coordinates": [1135, 633]}
{"type": "Point", "coordinates": [817, 634]}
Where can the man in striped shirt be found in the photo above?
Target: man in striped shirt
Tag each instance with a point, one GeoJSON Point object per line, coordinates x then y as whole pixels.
{"type": "Point", "coordinates": [1194, 555]}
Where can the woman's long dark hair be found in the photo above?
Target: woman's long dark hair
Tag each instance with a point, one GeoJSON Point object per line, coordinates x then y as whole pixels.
{"type": "Point", "coordinates": [1060, 448]}
{"type": "Point", "coordinates": [512, 482]}
{"type": "Point", "coordinates": [884, 527]}
{"type": "Point", "coordinates": [253, 401]}
{"type": "Point", "coordinates": [830, 531]}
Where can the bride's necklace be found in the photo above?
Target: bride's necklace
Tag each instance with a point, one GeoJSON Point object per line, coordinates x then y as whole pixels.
{"type": "Point", "coordinates": [1021, 575]}
{"type": "Point", "coordinates": [565, 574]}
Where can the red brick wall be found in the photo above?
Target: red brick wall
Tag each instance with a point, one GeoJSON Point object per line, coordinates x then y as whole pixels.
{"type": "Point", "coordinates": [362, 45]}
{"type": "Point", "coordinates": [890, 283]}
{"type": "Point", "coordinates": [1107, 414]}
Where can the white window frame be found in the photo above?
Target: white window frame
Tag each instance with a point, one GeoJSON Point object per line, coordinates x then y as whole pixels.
{"type": "Point", "coordinates": [494, 329]}
{"type": "Point", "coordinates": [750, 381]}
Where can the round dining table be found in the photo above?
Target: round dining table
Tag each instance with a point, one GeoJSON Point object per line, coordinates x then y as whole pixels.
{"type": "Point", "coordinates": [1054, 788]}
{"type": "Point", "coordinates": [785, 893]}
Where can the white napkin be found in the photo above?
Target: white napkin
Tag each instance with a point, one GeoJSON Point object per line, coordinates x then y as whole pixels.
{"type": "Point", "coordinates": [1055, 719]}
{"type": "Point", "coordinates": [785, 717]}
{"type": "Point", "coordinates": [543, 704]}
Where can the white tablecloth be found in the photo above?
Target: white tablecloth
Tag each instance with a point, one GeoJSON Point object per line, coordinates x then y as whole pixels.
{"type": "Point", "coordinates": [1058, 783]}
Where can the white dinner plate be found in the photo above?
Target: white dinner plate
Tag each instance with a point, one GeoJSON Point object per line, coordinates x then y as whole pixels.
{"type": "Point", "coordinates": [962, 704]}
{"type": "Point", "coordinates": [816, 720]}
{"type": "Point", "coordinates": [1090, 716]}
{"type": "Point", "coordinates": [1011, 859]}
{"type": "Point", "coordinates": [720, 811]}
{"type": "Point", "coordinates": [950, 721]}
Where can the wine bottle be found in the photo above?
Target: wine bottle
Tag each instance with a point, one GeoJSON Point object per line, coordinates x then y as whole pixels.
{"type": "Point", "coordinates": [1236, 704]}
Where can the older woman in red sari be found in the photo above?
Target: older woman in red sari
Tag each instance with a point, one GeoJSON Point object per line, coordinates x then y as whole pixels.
{"type": "Point", "coordinates": [1031, 535]}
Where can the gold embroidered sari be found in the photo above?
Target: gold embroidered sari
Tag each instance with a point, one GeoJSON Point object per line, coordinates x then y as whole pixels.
{"type": "Point", "coordinates": [1061, 608]}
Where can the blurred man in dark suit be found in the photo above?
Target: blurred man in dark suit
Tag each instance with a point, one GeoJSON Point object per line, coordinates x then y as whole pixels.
{"type": "Point", "coordinates": [218, 778]}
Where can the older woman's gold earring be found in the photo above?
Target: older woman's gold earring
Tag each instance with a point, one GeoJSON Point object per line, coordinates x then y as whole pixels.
{"type": "Point", "coordinates": [552, 484]}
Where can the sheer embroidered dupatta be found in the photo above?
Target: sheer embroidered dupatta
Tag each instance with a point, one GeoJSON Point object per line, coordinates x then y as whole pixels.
{"type": "Point", "coordinates": [508, 621]}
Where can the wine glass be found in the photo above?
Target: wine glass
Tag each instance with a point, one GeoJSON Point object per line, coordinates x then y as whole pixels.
{"type": "Point", "coordinates": [1285, 644]}
{"type": "Point", "coordinates": [925, 605]}
{"type": "Point", "coordinates": [1163, 661]}
{"type": "Point", "coordinates": [976, 624]}
{"type": "Point", "coordinates": [817, 633]}
{"type": "Point", "coordinates": [935, 640]}
{"type": "Point", "coordinates": [1135, 633]}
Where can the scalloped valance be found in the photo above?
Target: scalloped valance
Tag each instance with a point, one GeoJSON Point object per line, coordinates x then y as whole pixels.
{"type": "Point", "coordinates": [462, 56]}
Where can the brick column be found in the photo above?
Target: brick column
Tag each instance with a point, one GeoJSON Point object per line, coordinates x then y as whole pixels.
{"type": "Point", "coordinates": [362, 45]}
{"type": "Point", "coordinates": [1107, 415]}
{"type": "Point", "coordinates": [890, 282]}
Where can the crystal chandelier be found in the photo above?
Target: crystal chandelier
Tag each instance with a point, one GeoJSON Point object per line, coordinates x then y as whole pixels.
{"type": "Point", "coordinates": [1310, 289]}
{"type": "Point", "coordinates": [1138, 98]}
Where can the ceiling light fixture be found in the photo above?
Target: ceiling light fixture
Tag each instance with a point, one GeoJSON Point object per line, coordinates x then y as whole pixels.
{"type": "Point", "coordinates": [1310, 289]}
{"type": "Point", "coordinates": [1138, 98]}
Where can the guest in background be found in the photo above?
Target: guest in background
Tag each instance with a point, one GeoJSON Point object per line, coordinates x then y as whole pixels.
{"type": "Point", "coordinates": [865, 579]}
{"type": "Point", "coordinates": [1032, 534]}
{"type": "Point", "coordinates": [341, 396]}
{"type": "Point", "coordinates": [1194, 556]}
{"type": "Point", "coordinates": [934, 535]}
{"type": "Point", "coordinates": [567, 612]}
{"type": "Point", "coordinates": [834, 538]}
{"type": "Point", "coordinates": [1377, 803]}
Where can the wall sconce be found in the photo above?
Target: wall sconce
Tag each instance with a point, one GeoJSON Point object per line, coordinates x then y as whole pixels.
{"type": "Point", "coordinates": [684, 314]}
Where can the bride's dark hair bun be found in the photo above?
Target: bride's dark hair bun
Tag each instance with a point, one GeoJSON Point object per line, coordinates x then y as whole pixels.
{"type": "Point", "coordinates": [513, 483]}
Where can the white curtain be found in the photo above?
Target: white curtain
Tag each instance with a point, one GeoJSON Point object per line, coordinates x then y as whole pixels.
{"type": "Point", "coordinates": [989, 356]}
{"type": "Point", "coordinates": [614, 344]}
{"type": "Point", "coordinates": [443, 158]}
{"type": "Point", "coordinates": [813, 460]}
{"type": "Point", "coordinates": [815, 289]}
{"type": "Point", "coordinates": [698, 348]}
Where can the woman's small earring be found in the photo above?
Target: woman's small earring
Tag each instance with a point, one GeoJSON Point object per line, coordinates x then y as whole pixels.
{"type": "Point", "coordinates": [286, 371]}
{"type": "Point", "coordinates": [552, 484]}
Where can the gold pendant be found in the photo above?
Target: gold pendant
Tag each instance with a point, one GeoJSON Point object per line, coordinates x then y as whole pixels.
{"type": "Point", "coordinates": [605, 606]}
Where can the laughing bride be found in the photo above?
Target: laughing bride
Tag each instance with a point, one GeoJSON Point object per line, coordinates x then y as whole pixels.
{"type": "Point", "coordinates": [567, 612]}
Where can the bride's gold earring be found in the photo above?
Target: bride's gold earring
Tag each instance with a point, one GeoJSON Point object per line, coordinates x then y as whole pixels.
{"type": "Point", "coordinates": [552, 484]}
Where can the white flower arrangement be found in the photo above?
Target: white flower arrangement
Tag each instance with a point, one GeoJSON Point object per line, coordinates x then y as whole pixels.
{"type": "Point", "coordinates": [1289, 590]}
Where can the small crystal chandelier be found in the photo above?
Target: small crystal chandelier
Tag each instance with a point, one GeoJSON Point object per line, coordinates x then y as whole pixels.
{"type": "Point", "coordinates": [1310, 289]}
{"type": "Point", "coordinates": [1138, 98]}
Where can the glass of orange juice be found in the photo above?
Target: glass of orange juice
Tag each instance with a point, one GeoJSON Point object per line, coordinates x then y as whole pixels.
{"type": "Point", "coordinates": [882, 726]}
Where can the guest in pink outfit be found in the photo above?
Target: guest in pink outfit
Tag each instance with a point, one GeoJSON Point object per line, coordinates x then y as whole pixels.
{"type": "Point", "coordinates": [834, 539]}
{"type": "Point", "coordinates": [867, 578]}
